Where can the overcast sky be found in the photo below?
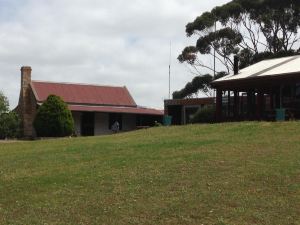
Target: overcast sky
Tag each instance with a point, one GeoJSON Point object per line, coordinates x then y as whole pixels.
{"type": "Point", "coordinates": [112, 42]}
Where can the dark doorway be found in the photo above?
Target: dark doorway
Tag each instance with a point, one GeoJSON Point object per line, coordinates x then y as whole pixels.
{"type": "Point", "coordinates": [87, 124]}
{"type": "Point", "coordinates": [148, 120]}
{"type": "Point", "coordinates": [176, 112]}
{"type": "Point", "coordinates": [113, 117]}
{"type": "Point", "coordinates": [189, 113]}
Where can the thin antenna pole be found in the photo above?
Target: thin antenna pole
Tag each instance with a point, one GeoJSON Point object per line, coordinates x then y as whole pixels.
{"type": "Point", "coordinates": [214, 93]}
{"type": "Point", "coordinates": [170, 70]}
{"type": "Point", "coordinates": [215, 52]}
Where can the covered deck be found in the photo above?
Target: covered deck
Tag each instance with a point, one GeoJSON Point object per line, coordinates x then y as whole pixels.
{"type": "Point", "coordinates": [259, 91]}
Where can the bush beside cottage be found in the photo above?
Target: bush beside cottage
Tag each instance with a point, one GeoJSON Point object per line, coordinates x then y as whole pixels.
{"type": "Point", "coordinates": [54, 119]}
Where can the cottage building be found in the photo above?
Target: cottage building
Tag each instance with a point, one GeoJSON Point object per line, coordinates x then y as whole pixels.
{"type": "Point", "coordinates": [94, 108]}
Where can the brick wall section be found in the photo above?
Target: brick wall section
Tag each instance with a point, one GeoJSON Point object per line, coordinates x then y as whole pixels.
{"type": "Point", "coordinates": [190, 101]}
{"type": "Point", "coordinates": [187, 102]}
{"type": "Point", "coordinates": [27, 103]}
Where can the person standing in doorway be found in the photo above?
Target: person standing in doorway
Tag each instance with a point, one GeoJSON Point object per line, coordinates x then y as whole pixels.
{"type": "Point", "coordinates": [115, 127]}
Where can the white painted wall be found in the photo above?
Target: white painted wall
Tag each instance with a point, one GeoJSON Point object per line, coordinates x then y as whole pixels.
{"type": "Point", "coordinates": [77, 122]}
{"type": "Point", "coordinates": [101, 124]}
{"type": "Point", "coordinates": [102, 121]}
{"type": "Point", "coordinates": [129, 122]}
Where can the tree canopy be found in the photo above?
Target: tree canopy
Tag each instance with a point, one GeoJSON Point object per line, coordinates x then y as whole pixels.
{"type": "Point", "coordinates": [252, 29]}
{"type": "Point", "coordinates": [198, 83]}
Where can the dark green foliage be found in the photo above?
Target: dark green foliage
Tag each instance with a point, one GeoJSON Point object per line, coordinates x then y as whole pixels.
{"type": "Point", "coordinates": [202, 22]}
{"type": "Point", "coordinates": [225, 40]}
{"type": "Point", "coordinates": [4, 104]}
{"type": "Point", "coordinates": [9, 121]}
{"type": "Point", "coordinates": [189, 54]}
{"type": "Point", "coordinates": [9, 125]}
{"type": "Point", "coordinates": [252, 29]}
{"type": "Point", "coordinates": [204, 115]}
{"type": "Point", "coordinates": [199, 83]}
{"type": "Point", "coordinates": [54, 119]}
{"type": "Point", "coordinates": [257, 26]}
{"type": "Point", "coordinates": [227, 11]}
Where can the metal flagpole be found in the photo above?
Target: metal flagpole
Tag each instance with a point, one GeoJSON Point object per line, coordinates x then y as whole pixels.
{"type": "Point", "coordinates": [170, 71]}
{"type": "Point", "coordinates": [215, 59]}
{"type": "Point", "coordinates": [215, 52]}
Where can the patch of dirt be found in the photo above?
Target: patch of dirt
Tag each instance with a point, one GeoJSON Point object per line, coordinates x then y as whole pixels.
{"type": "Point", "coordinates": [8, 141]}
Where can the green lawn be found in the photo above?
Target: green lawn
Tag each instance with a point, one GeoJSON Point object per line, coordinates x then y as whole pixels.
{"type": "Point", "coordinates": [236, 173]}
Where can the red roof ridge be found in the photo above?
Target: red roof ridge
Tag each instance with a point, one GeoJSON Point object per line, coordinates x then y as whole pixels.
{"type": "Point", "coordinates": [84, 84]}
{"type": "Point", "coordinates": [116, 109]}
{"type": "Point", "coordinates": [83, 93]}
{"type": "Point", "coordinates": [86, 105]}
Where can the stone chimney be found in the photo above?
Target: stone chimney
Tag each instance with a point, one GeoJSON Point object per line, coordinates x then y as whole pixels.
{"type": "Point", "coordinates": [25, 77]}
{"type": "Point", "coordinates": [236, 65]}
{"type": "Point", "coordinates": [27, 106]}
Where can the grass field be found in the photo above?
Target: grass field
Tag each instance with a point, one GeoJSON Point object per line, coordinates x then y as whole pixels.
{"type": "Point", "coordinates": [235, 174]}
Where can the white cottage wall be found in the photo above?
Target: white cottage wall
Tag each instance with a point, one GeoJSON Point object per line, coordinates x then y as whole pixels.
{"type": "Point", "coordinates": [101, 124]}
{"type": "Point", "coordinates": [129, 122]}
{"type": "Point", "coordinates": [77, 122]}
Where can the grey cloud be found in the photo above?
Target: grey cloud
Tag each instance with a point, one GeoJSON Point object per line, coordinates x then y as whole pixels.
{"type": "Point", "coordinates": [113, 42]}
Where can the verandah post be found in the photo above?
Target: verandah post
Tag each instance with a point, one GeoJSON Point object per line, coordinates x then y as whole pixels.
{"type": "Point", "coordinates": [236, 104]}
{"type": "Point", "coordinates": [260, 105]}
{"type": "Point", "coordinates": [219, 105]}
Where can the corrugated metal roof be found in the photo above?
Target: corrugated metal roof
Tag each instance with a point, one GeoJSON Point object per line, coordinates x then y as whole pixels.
{"type": "Point", "coordinates": [83, 93]}
{"type": "Point", "coordinates": [112, 109]}
{"type": "Point", "coordinates": [271, 67]}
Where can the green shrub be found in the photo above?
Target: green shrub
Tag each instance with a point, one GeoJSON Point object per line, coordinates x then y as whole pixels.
{"type": "Point", "coordinates": [9, 125]}
{"type": "Point", "coordinates": [9, 121]}
{"type": "Point", "coordinates": [4, 104]}
{"type": "Point", "coordinates": [54, 119]}
{"type": "Point", "coordinates": [157, 124]}
{"type": "Point", "coordinates": [204, 115]}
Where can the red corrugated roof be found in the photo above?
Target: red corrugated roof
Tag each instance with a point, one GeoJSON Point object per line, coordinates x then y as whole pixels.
{"type": "Point", "coordinates": [83, 94]}
{"type": "Point", "coordinates": [111, 109]}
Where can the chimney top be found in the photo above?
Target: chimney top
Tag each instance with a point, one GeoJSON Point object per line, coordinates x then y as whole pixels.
{"type": "Point", "coordinates": [25, 75]}
{"type": "Point", "coordinates": [236, 65]}
{"type": "Point", "coordinates": [25, 68]}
